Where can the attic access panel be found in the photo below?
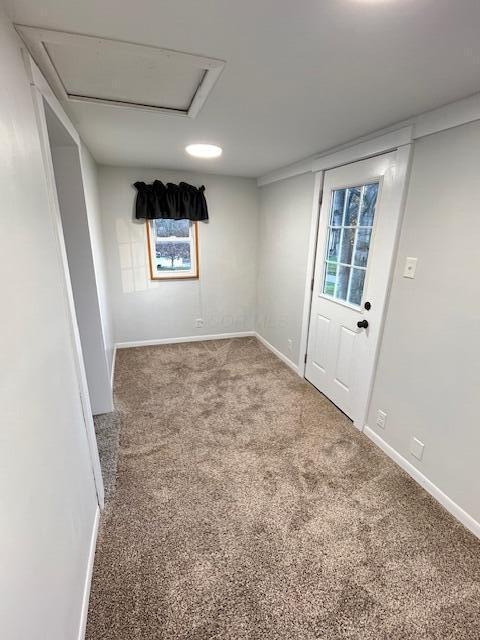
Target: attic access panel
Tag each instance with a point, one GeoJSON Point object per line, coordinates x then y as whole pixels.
{"type": "Point", "coordinates": [90, 69]}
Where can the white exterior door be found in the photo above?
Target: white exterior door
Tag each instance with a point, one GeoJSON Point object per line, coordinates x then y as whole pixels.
{"type": "Point", "coordinates": [359, 221]}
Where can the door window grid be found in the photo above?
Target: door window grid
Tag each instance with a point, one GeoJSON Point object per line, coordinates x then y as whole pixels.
{"type": "Point", "coordinates": [344, 275]}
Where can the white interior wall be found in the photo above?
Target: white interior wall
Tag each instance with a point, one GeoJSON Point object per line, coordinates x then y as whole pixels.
{"type": "Point", "coordinates": [428, 373]}
{"type": "Point", "coordinates": [72, 201]}
{"type": "Point", "coordinates": [47, 492]}
{"type": "Point", "coordinates": [284, 229]}
{"type": "Point", "coordinates": [223, 296]}
{"type": "Point", "coordinates": [92, 202]}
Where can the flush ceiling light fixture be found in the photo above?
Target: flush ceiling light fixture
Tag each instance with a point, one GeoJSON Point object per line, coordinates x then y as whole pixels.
{"type": "Point", "coordinates": [204, 150]}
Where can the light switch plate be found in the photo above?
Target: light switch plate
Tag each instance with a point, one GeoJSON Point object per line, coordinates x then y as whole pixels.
{"type": "Point", "coordinates": [416, 448]}
{"type": "Point", "coordinates": [410, 268]}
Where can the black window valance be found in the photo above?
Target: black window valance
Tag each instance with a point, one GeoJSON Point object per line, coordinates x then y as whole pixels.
{"type": "Point", "coordinates": [172, 201]}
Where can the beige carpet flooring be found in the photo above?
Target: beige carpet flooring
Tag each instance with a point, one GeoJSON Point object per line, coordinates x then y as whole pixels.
{"type": "Point", "coordinates": [107, 432]}
{"type": "Point", "coordinates": [248, 507]}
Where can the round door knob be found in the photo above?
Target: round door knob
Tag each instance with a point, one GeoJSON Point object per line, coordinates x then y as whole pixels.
{"type": "Point", "coordinates": [362, 324]}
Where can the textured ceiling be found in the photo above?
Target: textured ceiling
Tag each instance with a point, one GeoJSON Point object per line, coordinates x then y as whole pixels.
{"type": "Point", "coordinates": [300, 77]}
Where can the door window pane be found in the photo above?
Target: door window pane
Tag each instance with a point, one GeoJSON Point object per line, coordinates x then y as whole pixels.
{"type": "Point", "coordinates": [343, 277]}
{"type": "Point", "coordinates": [353, 204]}
{"type": "Point", "coordinates": [369, 200]}
{"type": "Point", "coordinates": [348, 243]}
{"type": "Point", "coordinates": [334, 245]}
{"type": "Point", "coordinates": [330, 278]}
{"type": "Point", "coordinates": [338, 205]}
{"type": "Point", "coordinates": [362, 247]}
{"type": "Point", "coordinates": [356, 286]}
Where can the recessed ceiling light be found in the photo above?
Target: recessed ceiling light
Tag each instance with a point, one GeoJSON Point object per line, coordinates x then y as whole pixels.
{"type": "Point", "coordinates": [204, 150]}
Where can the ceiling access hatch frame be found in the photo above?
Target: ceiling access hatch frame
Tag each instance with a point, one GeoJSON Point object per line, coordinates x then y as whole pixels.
{"type": "Point", "coordinates": [207, 70]}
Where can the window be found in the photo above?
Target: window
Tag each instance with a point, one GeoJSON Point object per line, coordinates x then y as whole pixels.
{"type": "Point", "coordinates": [349, 233]}
{"type": "Point", "coordinates": [172, 249]}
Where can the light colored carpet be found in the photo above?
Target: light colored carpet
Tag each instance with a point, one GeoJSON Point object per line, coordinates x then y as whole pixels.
{"type": "Point", "coordinates": [248, 507]}
{"type": "Point", "coordinates": [107, 431]}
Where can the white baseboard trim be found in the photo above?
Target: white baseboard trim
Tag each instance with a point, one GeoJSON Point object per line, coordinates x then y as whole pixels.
{"type": "Point", "coordinates": [451, 506]}
{"type": "Point", "coordinates": [112, 375]}
{"type": "Point", "coordinates": [216, 336]}
{"type": "Point", "coordinates": [278, 353]}
{"type": "Point", "coordinates": [88, 578]}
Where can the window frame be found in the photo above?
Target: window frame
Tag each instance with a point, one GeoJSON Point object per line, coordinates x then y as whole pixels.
{"type": "Point", "coordinates": [173, 275]}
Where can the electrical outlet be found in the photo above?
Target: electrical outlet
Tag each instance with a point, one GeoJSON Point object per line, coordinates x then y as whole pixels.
{"type": "Point", "coordinates": [381, 419]}
{"type": "Point", "coordinates": [199, 323]}
{"type": "Point", "coordinates": [290, 345]}
{"type": "Point", "coordinates": [410, 268]}
{"type": "Point", "coordinates": [416, 448]}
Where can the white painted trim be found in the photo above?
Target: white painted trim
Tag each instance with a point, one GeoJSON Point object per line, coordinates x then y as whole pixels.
{"type": "Point", "coordinates": [210, 79]}
{"type": "Point", "coordinates": [39, 83]}
{"type": "Point", "coordinates": [37, 80]}
{"type": "Point", "coordinates": [362, 150]}
{"type": "Point", "coordinates": [403, 167]}
{"type": "Point", "coordinates": [217, 336]}
{"type": "Point", "coordinates": [399, 162]}
{"type": "Point", "coordinates": [452, 507]}
{"type": "Point", "coordinates": [312, 249]}
{"type": "Point", "coordinates": [112, 374]}
{"type": "Point", "coordinates": [39, 106]}
{"type": "Point", "coordinates": [88, 577]}
{"type": "Point", "coordinates": [83, 171]}
{"type": "Point", "coordinates": [291, 170]}
{"type": "Point", "coordinates": [35, 39]}
{"type": "Point", "coordinates": [278, 353]}
{"type": "Point", "coordinates": [446, 117]}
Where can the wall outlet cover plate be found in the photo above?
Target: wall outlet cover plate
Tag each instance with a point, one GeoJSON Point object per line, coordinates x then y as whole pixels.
{"type": "Point", "coordinates": [410, 268]}
{"type": "Point", "coordinates": [416, 448]}
{"type": "Point", "coordinates": [381, 419]}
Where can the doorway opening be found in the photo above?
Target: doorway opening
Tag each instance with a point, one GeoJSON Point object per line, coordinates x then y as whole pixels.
{"type": "Point", "coordinates": [73, 212]}
{"type": "Point", "coordinates": [66, 182]}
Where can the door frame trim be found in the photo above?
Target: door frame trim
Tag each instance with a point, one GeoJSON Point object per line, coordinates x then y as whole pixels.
{"type": "Point", "coordinates": [350, 156]}
{"type": "Point", "coordinates": [40, 94]}
{"type": "Point", "coordinates": [312, 250]}
{"type": "Point", "coordinates": [364, 150]}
